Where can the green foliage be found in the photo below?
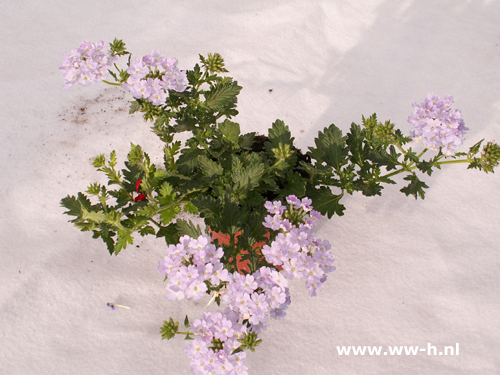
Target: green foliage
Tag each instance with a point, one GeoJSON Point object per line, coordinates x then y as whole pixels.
{"type": "Point", "coordinates": [415, 187]}
{"type": "Point", "coordinates": [225, 176]}
{"type": "Point", "coordinates": [489, 158]}
{"type": "Point", "coordinates": [169, 329]}
{"type": "Point", "coordinates": [248, 341]}
{"type": "Point", "coordinates": [117, 48]}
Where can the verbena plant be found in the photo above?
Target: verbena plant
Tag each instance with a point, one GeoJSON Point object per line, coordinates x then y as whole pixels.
{"type": "Point", "coordinates": [259, 190]}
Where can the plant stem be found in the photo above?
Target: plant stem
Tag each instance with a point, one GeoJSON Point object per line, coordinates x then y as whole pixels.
{"type": "Point", "coordinates": [111, 83]}
{"type": "Point", "coordinates": [415, 167]}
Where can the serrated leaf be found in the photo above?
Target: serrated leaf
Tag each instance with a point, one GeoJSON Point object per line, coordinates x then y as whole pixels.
{"type": "Point", "coordinates": [72, 205]}
{"type": "Point", "coordinates": [94, 216]}
{"type": "Point", "coordinates": [188, 160]}
{"type": "Point", "coordinates": [231, 218]}
{"type": "Point", "coordinates": [168, 214]}
{"type": "Point", "coordinates": [279, 134]}
{"type": "Point", "coordinates": [209, 167]}
{"type": "Point", "coordinates": [355, 139]}
{"type": "Point", "coordinates": [169, 329]}
{"type": "Point", "coordinates": [99, 161]}
{"type": "Point", "coordinates": [331, 147]}
{"type": "Point", "coordinates": [170, 233]}
{"type": "Point", "coordinates": [294, 185]}
{"type": "Point", "coordinates": [222, 96]}
{"type": "Point", "coordinates": [231, 130]}
{"type": "Point", "coordinates": [136, 155]}
{"type": "Point", "coordinates": [123, 239]}
{"type": "Point", "coordinates": [147, 230]}
{"type": "Point", "coordinates": [382, 157]}
{"type": "Point", "coordinates": [325, 201]}
{"type": "Point", "coordinates": [371, 188]}
{"type": "Point", "coordinates": [475, 149]}
{"type": "Point", "coordinates": [134, 107]}
{"type": "Point", "coordinates": [415, 187]}
{"type": "Point", "coordinates": [188, 228]}
{"type": "Point", "coordinates": [161, 175]}
{"type": "Point", "coordinates": [190, 208]}
{"type": "Point", "coordinates": [411, 155]}
{"type": "Point", "coordinates": [94, 189]}
{"type": "Point", "coordinates": [247, 178]}
{"type": "Point", "coordinates": [246, 140]}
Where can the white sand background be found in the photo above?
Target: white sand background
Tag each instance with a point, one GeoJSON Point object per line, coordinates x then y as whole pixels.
{"type": "Point", "coordinates": [408, 272]}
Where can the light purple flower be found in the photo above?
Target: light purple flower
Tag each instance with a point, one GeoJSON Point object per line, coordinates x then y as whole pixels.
{"type": "Point", "coordinates": [440, 126]}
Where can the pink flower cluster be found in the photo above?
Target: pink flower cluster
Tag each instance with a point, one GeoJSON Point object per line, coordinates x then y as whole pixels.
{"type": "Point", "coordinates": [296, 249]}
{"type": "Point", "coordinates": [194, 264]}
{"type": "Point", "coordinates": [189, 265]}
{"type": "Point", "coordinates": [253, 297]}
{"type": "Point", "coordinates": [86, 64]}
{"type": "Point", "coordinates": [440, 126]}
{"type": "Point", "coordinates": [226, 329]}
{"type": "Point", "coordinates": [143, 81]}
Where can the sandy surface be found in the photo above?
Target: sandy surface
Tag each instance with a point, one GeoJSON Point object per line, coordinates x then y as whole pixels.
{"type": "Point", "coordinates": [408, 272]}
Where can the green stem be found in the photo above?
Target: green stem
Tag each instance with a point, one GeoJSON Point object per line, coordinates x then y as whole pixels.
{"type": "Point", "coordinates": [111, 83]}
{"type": "Point", "coordinates": [412, 168]}
{"type": "Point", "coordinates": [455, 161]}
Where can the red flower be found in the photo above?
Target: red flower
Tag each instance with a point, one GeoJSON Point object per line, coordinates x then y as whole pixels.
{"type": "Point", "coordinates": [140, 197]}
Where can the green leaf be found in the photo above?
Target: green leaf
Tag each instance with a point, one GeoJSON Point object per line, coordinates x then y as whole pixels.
{"type": "Point", "coordinates": [169, 329]}
{"type": "Point", "coordinates": [134, 107]}
{"type": "Point", "coordinates": [170, 233]}
{"type": "Point", "coordinates": [168, 214]}
{"type": "Point", "coordinates": [186, 322]}
{"type": "Point", "coordinates": [188, 160]}
{"type": "Point", "coordinates": [411, 155]}
{"type": "Point", "coordinates": [209, 167]}
{"type": "Point", "coordinates": [222, 96]}
{"type": "Point", "coordinates": [231, 130]}
{"type": "Point", "coordinates": [249, 341]}
{"type": "Point", "coordinates": [214, 63]}
{"type": "Point", "coordinates": [136, 155]}
{"type": "Point", "coordinates": [382, 157]}
{"type": "Point", "coordinates": [370, 188]}
{"type": "Point", "coordinates": [475, 149]}
{"type": "Point", "coordinates": [355, 139]}
{"type": "Point", "coordinates": [188, 228]}
{"type": "Point", "coordinates": [147, 230]}
{"type": "Point", "coordinates": [415, 187]}
{"type": "Point", "coordinates": [99, 161]}
{"type": "Point", "coordinates": [72, 205]}
{"type": "Point", "coordinates": [247, 178]}
{"type": "Point", "coordinates": [94, 189]}
{"type": "Point", "coordinates": [95, 216]}
{"type": "Point", "coordinates": [331, 147]}
{"type": "Point", "coordinates": [279, 134]}
{"type": "Point", "coordinates": [325, 201]}
{"type": "Point", "coordinates": [231, 218]}
{"type": "Point", "coordinates": [124, 238]}
{"type": "Point", "coordinates": [294, 184]}
{"type": "Point", "coordinates": [190, 208]}
{"type": "Point", "coordinates": [117, 48]}
{"type": "Point", "coordinates": [426, 166]}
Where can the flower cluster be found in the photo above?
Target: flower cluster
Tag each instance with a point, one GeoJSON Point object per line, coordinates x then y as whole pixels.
{"type": "Point", "coordinates": [254, 296]}
{"type": "Point", "coordinates": [86, 64]}
{"type": "Point", "coordinates": [193, 266]}
{"type": "Point", "coordinates": [189, 265]}
{"type": "Point", "coordinates": [220, 332]}
{"type": "Point", "coordinates": [144, 81]}
{"type": "Point", "coordinates": [296, 249]}
{"type": "Point", "coordinates": [440, 126]}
